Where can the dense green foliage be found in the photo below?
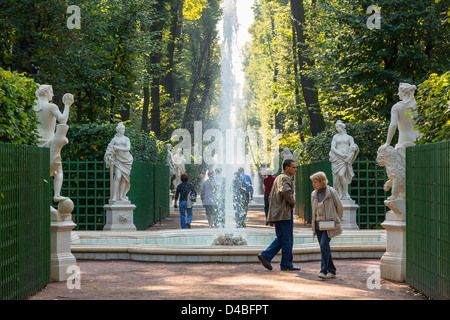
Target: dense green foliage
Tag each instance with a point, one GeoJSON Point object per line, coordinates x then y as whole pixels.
{"type": "Point", "coordinates": [369, 136]}
{"type": "Point", "coordinates": [155, 64]}
{"type": "Point", "coordinates": [144, 61]}
{"type": "Point", "coordinates": [18, 121]}
{"type": "Point", "coordinates": [356, 69]}
{"type": "Point", "coordinates": [433, 101]}
{"type": "Point", "coordinates": [89, 142]}
{"type": "Point", "coordinates": [359, 69]}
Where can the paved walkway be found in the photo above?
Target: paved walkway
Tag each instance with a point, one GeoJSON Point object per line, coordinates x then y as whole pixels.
{"type": "Point", "coordinates": [134, 280]}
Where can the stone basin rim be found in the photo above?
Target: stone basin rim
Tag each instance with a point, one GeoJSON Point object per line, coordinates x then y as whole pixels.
{"type": "Point", "coordinates": [221, 253]}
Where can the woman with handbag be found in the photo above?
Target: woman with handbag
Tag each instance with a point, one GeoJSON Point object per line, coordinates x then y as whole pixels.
{"type": "Point", "coordinates": [327, 211]}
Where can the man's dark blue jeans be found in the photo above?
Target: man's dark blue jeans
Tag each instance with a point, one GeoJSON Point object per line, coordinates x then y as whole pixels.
{"type": "Point", "coordinates": [284, 241]}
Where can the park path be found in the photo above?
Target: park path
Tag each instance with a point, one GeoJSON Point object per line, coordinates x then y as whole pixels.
{"type": "Point", "coordinates": [135, 280]}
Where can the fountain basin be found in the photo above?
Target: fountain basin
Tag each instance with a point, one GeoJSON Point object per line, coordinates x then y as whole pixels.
{"type": "Point", "coordinates": [195, 245]}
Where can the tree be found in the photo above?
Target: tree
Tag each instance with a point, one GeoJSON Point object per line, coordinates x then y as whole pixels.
{"type": "Point", "coordinates": [18, 122]}
{"type": "Point", "coordinates": [358, 69]}
{"type": "Point", "coordinates": [310, 94]}
{"type": "Point", "coordinates": [201, 63]}
{"type": "Point", "coordinates": [433, 112]}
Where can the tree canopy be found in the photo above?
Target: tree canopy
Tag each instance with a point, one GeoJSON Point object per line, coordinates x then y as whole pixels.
{"type": "Point", "coordinates": [155, 64]}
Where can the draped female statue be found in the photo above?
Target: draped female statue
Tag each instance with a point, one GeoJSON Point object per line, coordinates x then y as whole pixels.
{"type": "Point", "coordinates": [119, 159]}
{"type": "Point", "coordinates": [342, 155]}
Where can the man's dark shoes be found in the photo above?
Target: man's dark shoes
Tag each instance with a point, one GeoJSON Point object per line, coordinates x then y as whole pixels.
{"type": "Point", "coordinates": [264, 262]}
{"type": "Point", "coordinates": [291, 269]}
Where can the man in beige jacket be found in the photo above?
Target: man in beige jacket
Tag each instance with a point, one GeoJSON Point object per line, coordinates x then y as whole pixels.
{"type": "Point", "coordinates": [281, 205]}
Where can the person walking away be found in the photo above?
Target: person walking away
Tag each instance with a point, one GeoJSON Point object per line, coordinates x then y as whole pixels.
{"type": "Point", "coordinates": [268, 183]}
{"type": "Point", "coordinates": [326, 206]}
{"type": "Point", "coordinates": [182, 192]}
{"type": "Point", "coordinates": [208, 195]}
{"type": "Point", "coordinates": [281, 205]}
{"type": "Point", "coordinates": [246, 178]}
{"type": "Point", "coordinates": [241, 197]}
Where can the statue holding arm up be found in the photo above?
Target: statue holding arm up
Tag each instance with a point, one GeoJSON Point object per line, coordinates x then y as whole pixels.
{"type": "Point", "coordinates": [47, 114]}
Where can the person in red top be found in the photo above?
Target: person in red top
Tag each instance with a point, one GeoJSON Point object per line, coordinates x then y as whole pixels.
{"type": "Point", "coordinates": [268, 183]}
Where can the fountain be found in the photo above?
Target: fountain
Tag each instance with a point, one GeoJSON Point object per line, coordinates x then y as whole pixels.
{"type": "Point", "coordinates": [227, 244]}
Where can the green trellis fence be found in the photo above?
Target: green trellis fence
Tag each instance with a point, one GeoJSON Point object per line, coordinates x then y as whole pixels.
{"type": "Point", "coordinates": [366, 189]}
{"type": "Point", "coordinates": [87, 183]}
{"type": "Point", "coordinates": [24, 220]}
{"type": "Point", "coordinates": [428, 219]}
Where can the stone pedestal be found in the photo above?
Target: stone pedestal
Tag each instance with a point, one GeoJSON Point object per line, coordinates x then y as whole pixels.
{"type": "Point", "coordinates": [349, 216]}
{"type": "Point", "coordinates": [119, 216]}
{"type": "Point", "coordinates": [393, 262]}
{"type": "Point", "coordinates": [61, 228]}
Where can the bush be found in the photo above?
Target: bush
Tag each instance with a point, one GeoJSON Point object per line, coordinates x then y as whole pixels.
{"type": "Point", "coordinates": [89, 142]}
{"type": "Point", "coordinates": [369, 136]}
{"type": "Point", "coordinates": [433, 108]}
{"type": "Point", "coordinates": [18, 122]}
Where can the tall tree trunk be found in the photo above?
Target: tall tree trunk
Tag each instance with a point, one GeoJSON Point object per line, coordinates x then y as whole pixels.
{"type": "Point", "coordinates": [308, 87]}
{"type": "Point", "coordinates": [155, 69]}
{"type": "Point", "coordinates": [296, 83]}
{"type": "Point", "coordinates": [175, 32]}
{"type": "Point", "coordinates": [192, 103]}
{"type": "Point", "coordinates": [146, 103]}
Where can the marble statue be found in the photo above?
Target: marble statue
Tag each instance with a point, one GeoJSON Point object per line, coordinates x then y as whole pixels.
{"type": "Point", "coordinates": [342, 154]}
{"type": "Point", "coordinates": [395, 169]}
{"type": "Point", "coordinates": [402, 117]}
{"type": "Point", "coordinates": [48, 114]}
{"type": "Point", "coordinates": [178, 165]}
{"type": "Point", "coordinates": [296, 155]}
{"type": "Point", "coordinates": [53, 136]}
{"type": "Point", "coordinates": [393, 159]}
{"type": "Point", "coordinates": [119, 159]}
{"type": "Point", "coordinates": [169, 159]}
{"type": "Point", "coordinates": [286, 154]}
{"type": "Point", "coordinates": [393, 261]}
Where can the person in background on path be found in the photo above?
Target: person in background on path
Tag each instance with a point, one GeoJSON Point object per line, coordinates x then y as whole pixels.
{"type": "Point", "coordinates": [326, 206]}
{"type": "Point", "coordinates": [246, 178]}
{"type": "Point", "coordinates": [220, 199]}
{"type": "Point", "coordinates": [208, 196]}
{"type": "Point", "coordinates": [268, 183]}
{"type": "Point", "coordinates": [183, 190]}
{"type": "Point", "coordinates": [240, 200]}
{"type": "Point", "coordinates": [281, 205]}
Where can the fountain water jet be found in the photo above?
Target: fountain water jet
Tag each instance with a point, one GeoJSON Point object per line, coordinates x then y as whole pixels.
{"type": "Point", "coordinates": [231, 102]}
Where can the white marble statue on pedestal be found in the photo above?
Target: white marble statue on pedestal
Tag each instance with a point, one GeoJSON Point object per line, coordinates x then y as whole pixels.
{"type": "Point", "coordinates": [178, 165]}
{"type": "Point", "coordinates": [119, 159]}
{"type": "Point", "coordinates": [393, 262]}
{"type": "Point", "coordinates": [119, 211]}
{"type": "Point", "coordinates": [62, 225]}
{"type": "Point", "coordinates": [343, 153]}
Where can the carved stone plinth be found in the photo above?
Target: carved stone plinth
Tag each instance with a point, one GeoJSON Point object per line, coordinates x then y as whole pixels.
{"type": "Point", "coordinates": [119, 216]}
{"type": "Point", "coordinates": [61, 228]}
{"type": "Point", "coordinates": [349, 215]}
{"type": "Point", "coordinates": [393, 262]}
